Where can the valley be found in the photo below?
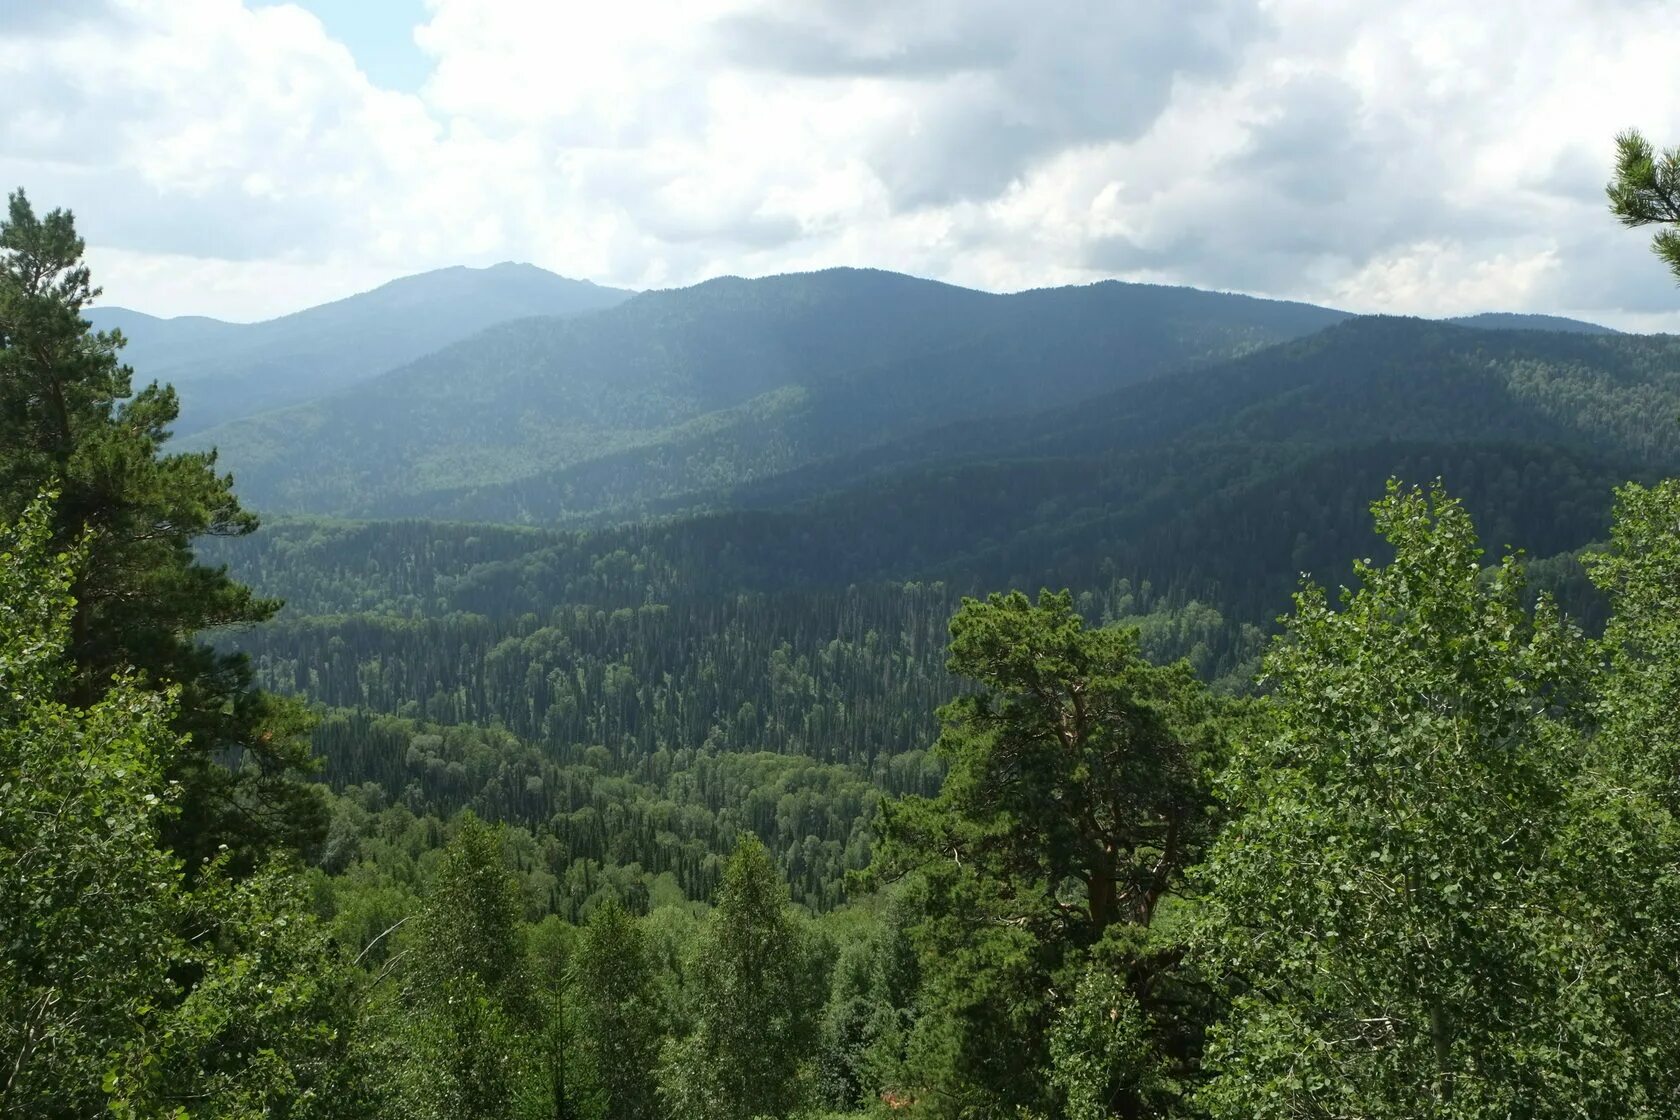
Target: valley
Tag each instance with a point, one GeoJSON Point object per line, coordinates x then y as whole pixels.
{"type": "Point", "coordinates": [771, 579]}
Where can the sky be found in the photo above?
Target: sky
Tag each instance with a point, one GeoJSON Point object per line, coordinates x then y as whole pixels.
{"type": "Point", "coordinates": [243, 160]}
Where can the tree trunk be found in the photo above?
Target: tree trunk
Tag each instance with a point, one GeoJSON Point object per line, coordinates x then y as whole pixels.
{"type": "Point", "coordinates": [1101, 891]}
{"type": "Point", "coordinates": [1441, 1036]}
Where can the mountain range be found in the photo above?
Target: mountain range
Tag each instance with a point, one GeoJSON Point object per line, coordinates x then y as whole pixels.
{"type": "Point", "coordinates": [223, 370]}
{"type": "Point", "coordinates": [679, 393]}
{"type": "Point", "coordinates": [856, 425]}
{"type": "Point", "coordinates": [750, 505]}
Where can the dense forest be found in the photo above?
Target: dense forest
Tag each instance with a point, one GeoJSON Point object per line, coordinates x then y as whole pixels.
{"type": "Point", "coordinates": [690, 757]}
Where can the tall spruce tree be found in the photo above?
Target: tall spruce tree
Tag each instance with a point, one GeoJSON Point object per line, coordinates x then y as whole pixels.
{"type": "Point", "coordinates": [70, 423]}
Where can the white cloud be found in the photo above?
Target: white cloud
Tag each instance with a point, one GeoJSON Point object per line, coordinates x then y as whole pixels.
{"type": "Point", "coordinates": [1425, 156]}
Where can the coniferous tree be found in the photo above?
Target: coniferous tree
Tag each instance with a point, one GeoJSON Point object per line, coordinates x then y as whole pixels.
{"type": "Point", "coordinates": [1646, 191]}
{"type": "Point", "coordinates": [99, 935]}
{"type": "Point", "coordinates": [551, 948]}
{"type": "Point", "coordinates": [464, 1022]}
{"type": "Point", "coordinates": [1073, 804]}
{"type": "Point", "coordinates": [69, 422]}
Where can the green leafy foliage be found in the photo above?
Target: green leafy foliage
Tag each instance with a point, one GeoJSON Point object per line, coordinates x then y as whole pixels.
{"type": "Point", "coordinates": [1423, 898]}
{"type": "Point", "coordinates": [121, 991]}
{"type": "Point", "coordinates": [268, 1025]}
{"type": "Point", "coordinates": [1098, 1043]}
{"type": "Point", "coordinates": [82, 797]}
{"type": "Point", "coordinates": [1639, 573]}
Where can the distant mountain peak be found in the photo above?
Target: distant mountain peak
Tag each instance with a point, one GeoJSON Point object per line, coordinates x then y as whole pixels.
{"type": "Point", "coordinates": [228, 370]}
{"type": "Point", "coordinates": [1517, 321]}
{"type": "Point", "coordinates": [526, 268]}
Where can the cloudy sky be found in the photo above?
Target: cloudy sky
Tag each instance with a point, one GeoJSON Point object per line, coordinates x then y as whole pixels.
{"type": "Point", "coordinates": [1417, 156]}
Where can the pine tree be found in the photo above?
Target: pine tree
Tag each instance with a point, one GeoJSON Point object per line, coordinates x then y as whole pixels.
{"type": "Point", "coordinates": [69, 423]}
{"type": "Point", "coordinates": [1646, 191]}
{"type": "Point", "coordinates": [1074, 801]}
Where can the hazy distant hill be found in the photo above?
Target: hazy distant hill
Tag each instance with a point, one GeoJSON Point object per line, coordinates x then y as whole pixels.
{"type": "Point", "coordinates": [227, 370]}
{"type": "Point", "coordinates": [718, 384]}
{"type": "Point", "coordinates": [1505, 320]}
{"type": "Point", "coordinates": [1389, 378]}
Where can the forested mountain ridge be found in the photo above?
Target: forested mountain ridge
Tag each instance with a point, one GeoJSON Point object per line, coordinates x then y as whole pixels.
{"type": "Point", "coordinates": [1529, 426]}
{"type": "Point", "coordinates": [1508, 320]}
{"type": "Point", "coordinates": [1221, 483]}
{"type": "Point", "coordinates": [711, 385]}
{"type": "Point", "coordinates": [1368, 378]}
{"type": "Point", "coordinates": [1187, 505]}
{"type": "Point", "coordinates": [226, 370]}
{"type": "Point", "coordinates": [1382, 377]}
{"type": "Point", "coordinates": [743, 392]}
{"type": "Point", "coordinates": [1228, 481]}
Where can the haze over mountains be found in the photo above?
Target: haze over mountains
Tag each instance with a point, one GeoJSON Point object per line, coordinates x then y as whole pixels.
{"type": "Point", "coordinates": [511, 394]}
{"type": "Point", "coordinates": [679, 392]}
{"type": "Point", "coordinates": [847, 426]}
{"type": "Point", "coordinates": [226, 370]}
{"type": "Point", "coordinates": [892, 428]}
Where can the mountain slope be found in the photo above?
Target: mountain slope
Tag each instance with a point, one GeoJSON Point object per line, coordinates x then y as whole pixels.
{"type": "Point", "coordinates": [719, 384]}
{"type": "Point", "coordinates": [1369, 379]}
{"type": "Point", "coordinates": [227, 370]}
{"type": "Point", "coordinates": [1222, 483]}
{"type": "Point", "coordinates": [1230, 480]}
